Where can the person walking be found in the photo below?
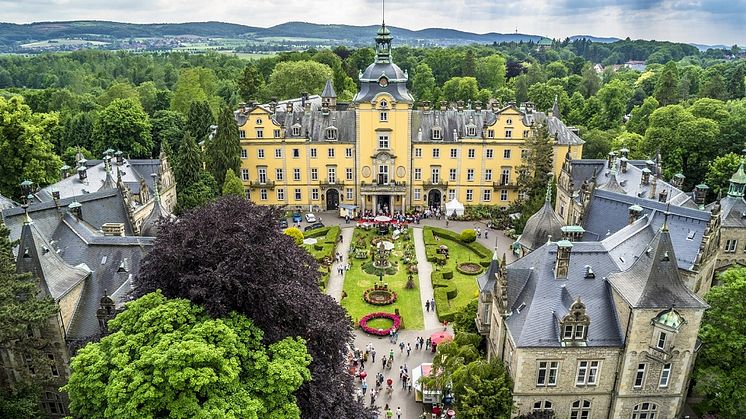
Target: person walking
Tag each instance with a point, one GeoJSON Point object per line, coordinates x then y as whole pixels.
{"type": "Point", "coordinates": [389, 412]}
{"type": "Point", "coordinates": [364, 386]}
{"type": "Point", "coordinates": [372, 397]}
{"type": "Point", "coordinates": [373, 354]}
{"type": "Point", "coordinates": [391, 355]}
{"type": "Point", "coordinates": [401, 347]}
{"type": "Point", "coordinates": [432, 304]}
{"type": "Point", "coordinates": [485, 234]}
{"type": "Point", "coordinates": [427, 306]}
{"type": "Point", "coordinates": [409, 349]}
{"type": "Point", "coordinates": [398, 412]}
{"type": "Point", "coordinates": [401, 371]}
{"type": "Point", "coordinates": [383, 363]}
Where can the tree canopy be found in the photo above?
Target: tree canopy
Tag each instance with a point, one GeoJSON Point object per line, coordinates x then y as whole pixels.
{"type": "Point", "coordinates": [229, 256]}
{"type": "Point", "coordinates": [223, 151]}
{"type": "Point", "coordinates": [123, 125]}
{"type": "Point", "coordinates": [291, 78]}
{"type": "Point", "coordinates": [232, 185]}
{"type": "Point", "coordinates": [169, 358]}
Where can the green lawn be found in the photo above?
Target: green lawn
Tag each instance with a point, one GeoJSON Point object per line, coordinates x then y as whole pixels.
{"type": "Point", "coordinates": [357, 281]}
{"type": "Point", "coordinates": [466, 284]}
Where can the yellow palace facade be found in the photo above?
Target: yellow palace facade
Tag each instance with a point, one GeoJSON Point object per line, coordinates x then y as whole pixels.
{"type": "Point", "coordinates": [378, 153]}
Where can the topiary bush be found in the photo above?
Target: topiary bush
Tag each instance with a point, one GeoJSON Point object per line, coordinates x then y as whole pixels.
{"type": "Point", "coordinates": [295, 233]}
{"type": "Point", "coordinates": [468, 236]}
{"type": "Point", "coordinates": [447, 273]}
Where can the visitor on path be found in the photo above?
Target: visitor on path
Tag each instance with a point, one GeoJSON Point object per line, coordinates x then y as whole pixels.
{"type": "Point", "coordinates": [389, 412]}
{"type": "Point", "coordinates": [401, 347]}
{"type": "Point", "coordinates": [432, 304]}
{"type": "Point", "coordinates": [401, 371]}
{"type": "Point", "coordinates": [427, 305]}
{"type": "Point", "coordinates": [404, 382]}
{"type": "Point", "coordinates": [383, 362]}
{"type": "Point", "coordinates": [485, 234]}
{"type": "Point", "coordinates": [398, 412]}
{"type": "Point", "coordinates": [427, 344]}
{"type": "Point", "coordinates": [373, 354]}
{"type": "Point", "coordinates": [409, 349]}
{"type": "Point", "coordinates": [372, 397]}
{"type": "Point", "coordinates": [364, 386]}
{"type": "Point", "coordinates": [391, 355]}
{"type": "Point", "coordinates": [409, 386]}
{"type": "Point", "coordinates": [446, 222]}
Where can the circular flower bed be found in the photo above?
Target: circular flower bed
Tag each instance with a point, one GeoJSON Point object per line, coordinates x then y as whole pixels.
{"type": "Point", "coordinates": [380, 315]}
{"type": "Point", "coordinates": [469, 268]}
{"type": "Point", "coordinates": [379, 296]}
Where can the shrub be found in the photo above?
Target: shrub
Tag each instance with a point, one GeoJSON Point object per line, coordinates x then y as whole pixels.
{"type": "Point", "coordinates": [295, 233]}
{"type": "Point", "coordinates": [428, 236]}
{"type": "Point", "coordinates": [318, 246]}
{"type": "Point", "coordinates": [468, 236]}
{"type": "Point", "coordinates": [447, 273]}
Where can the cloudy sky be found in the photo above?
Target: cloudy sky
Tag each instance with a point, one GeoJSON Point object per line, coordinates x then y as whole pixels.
{"type": "Point", "coordinates": [696, 21]}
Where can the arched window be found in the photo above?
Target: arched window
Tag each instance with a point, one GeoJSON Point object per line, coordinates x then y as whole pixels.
{"type": "Point", "coordinates": [384, 104]}
{"type": "Point", "coordinates": [331, 133]}
{"type": "Point", "coordinates": [645, 411]}
{"type": "Point", "coordinates": [543, 406]}
{"type": "Point", "coordinates": [581, 409]}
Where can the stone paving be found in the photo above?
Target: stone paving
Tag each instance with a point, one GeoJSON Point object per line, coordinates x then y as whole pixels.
{"type": "Point", "coordinates": [336, 281]}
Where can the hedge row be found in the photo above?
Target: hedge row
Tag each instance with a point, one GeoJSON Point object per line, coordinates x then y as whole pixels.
{"type": "Point", "coordinates": [443, 291]}
{"type": "Point", "coordinates": [327, 242]}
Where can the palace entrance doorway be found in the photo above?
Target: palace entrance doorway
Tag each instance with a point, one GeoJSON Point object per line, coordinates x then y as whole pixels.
{"type": "Point", "coordinates": [332, 199]}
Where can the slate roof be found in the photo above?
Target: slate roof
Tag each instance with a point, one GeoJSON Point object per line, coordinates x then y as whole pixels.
{"type": "Point", "coordinates": [150, 224]}
{"type": "Point", "coordinates": [540, 226]}
{"type": "Point", "coordinates": [313, 124]}
{"type": "Point", "coordinates": [449, 121]}
{"type": "Point", "coordinates": [486, 281]}
{"type": "Point", "coordinates": [653, 280]}
{"type": "Point", "coordinates": [561, 132]}
{"type": "Point", "coordinates": [6, 203]}
{"type": "Point", "coordinates": [733, 212]}
{"type": "Point", "coordinates": [328, 90]}
{"type": "Point", "coordinates": [608, 213]}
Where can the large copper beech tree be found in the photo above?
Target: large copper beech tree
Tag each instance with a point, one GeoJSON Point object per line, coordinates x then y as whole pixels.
{"type": "Point", "coordinates": [230, 256]}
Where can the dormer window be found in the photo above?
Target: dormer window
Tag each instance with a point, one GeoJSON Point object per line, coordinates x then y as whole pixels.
{"type": "Point", "coordinates": [331, 133]}
{"type": "Point", "coordinates": [472, 131]}
{"type": "Point", "coordinates": [574, 325]}
{"type": "Point", "coordinates": [296, 130]}
{"type": "Point", "coordinates": [383, 82]}
{"type": "Point", "coordinates": [437, 134]}
{"type": "Point", "coordinates": [259, 122]}
{"type": "Point", "coordinates": [665, 326]}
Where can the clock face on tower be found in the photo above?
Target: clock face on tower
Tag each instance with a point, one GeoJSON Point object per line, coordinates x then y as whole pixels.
{"type": "Point", "coordinates": [383, 82]}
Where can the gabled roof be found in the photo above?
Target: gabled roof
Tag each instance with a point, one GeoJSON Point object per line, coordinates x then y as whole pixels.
{"type": "Point", "coordinates": [486, 281]}
{"type": "Point", "coordinates": [733, 212]}
{"type": "Point", "coordinates": [653, 280]}
{"type": "Point", "coordinates": [328, 90]}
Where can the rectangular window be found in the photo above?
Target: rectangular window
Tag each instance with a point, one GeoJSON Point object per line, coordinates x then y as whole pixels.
{"type": "Point", "coordinates": [665, 375]}
{"type": "Point", "coordinates": [436, 134]}
{"type": "Point", "coordinates": [330, 152]}
{"type": "Point", "coordinates": [488, 175]}
{"type": "Point", "coordinates": [731, 245]}
{"type": "Point", "coordinates": [297, 194]}
{"type": "Point", "coordinates": [503, 194]}
{"type": "Point", "coordinates": [508, 133]}
{"type": "Point", "coordinates": [579, 331]}
{"type": "Point", "coordinates": [296, 131]}
{"type": "Point", "coordinates": [587, 373]}
{"type": "Point", "coordinates": [418, 174]}
{"type": "Point", "coordinates": [263, 194]}
{"type": "Point", "coordinates": [451, 194]}
{"type": "Point", "coordinates": [452, 175]}
{"type": "Point", "coordinates": [245, 174]}
{"type": "Point", "coordinates": [489, 152]}
{"type": "Point", "coordinates": [469, 194]}
{"type": "Point", "coordinates": [525, 133]}
{"type": "Point", "coordinates": [383, 141]}
{"type": "Point", "coordinates": [315, 194]}
{"type": "Point", "coordinates": [470, 175]}
{"type": "Point", "coordinates": [53, 365]}
{"type": "Point", "coordinates": [417, 194]}
{"type": "Point", "coordinates": [248, 195]}
{"type": "Point", "coordinates": [279, 175]}
{"type": "Point", "coordinates": [506, 154]}
{"type": "Point", "coordinates": [547, 373]}
{"type": "Point", "coordinates": [280, 194]}
{"type": "Point", "coordinates": [640, 375]}
{"type": "Point", "coordinates": [296, 174]}
{"type": "Point", "coordinates": [490, 133]}
{"type": "Point", "coordinates": [241, 134]}
{"type": "Point", "coordinates": [567, 332]}
{"type": "Point", "coordinates": [314, 174]}
{"type": "Point", "coordinates": [524, 153]}
{"type": "Point", "coordinates": [472, 131]}
{"type": "Point", "coordinates": [487, 195]}
{"type": "Point", "coordinates": [277, 133]}
{"type": "Point", "coordinates": [383, 174]}
{"type": "Point", "coordinates": [262, 172]}
{"type": "Point", "coordinates": [505, 176]}
{"type": "Point", "coordinates": [349, 194]}
{"type": "Point", "coordinates": [436, 175]}
{"type": "Point", "coordinates": [244, 153]}
{"type": "Point", "coordinates": [661, 341]}
{"type": "Point", "coordinates": [348, 152]}
{"type": "Point", "coordinates": [454, 153]}
{"type": "Point", "coordinates": [436, 153]}
{"type": "Point", "coordinates": [418, 153]}
{"type": "Point", "coordinates": [313, 153]}
{"type": "Point", "coordinates": [278, 153]}
{"type": "Point", "coordinates": [348, 173]}
{"type": "Point", "coordinates": [260, 153]}
{"type": "Point", "coordinates": [332, 174]}
{"type": "Point", "coordinates": [472, 153]}
{"type": "Point", "coordinates": [259, 133]}
{"type": "Point", "coordinates": [383, 116]}
{"type": "Point", "coordinates": [296, 153]}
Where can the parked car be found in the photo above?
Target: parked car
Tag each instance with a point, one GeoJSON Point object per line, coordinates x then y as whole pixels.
{"type": "Point", "coordinates": [283, 224]}
{"type": "Point", "coordinates": [310, 218]}
{"type": "Point", "coordinates": [313, 226]}
{"type": "Point", "coordinates": [297, 217]}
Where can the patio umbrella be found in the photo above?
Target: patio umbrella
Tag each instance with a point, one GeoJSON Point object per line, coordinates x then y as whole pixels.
{"type": "Point", "coordinates": [440, 337]}
{"type": "Point", "coordinates": [382, 219]}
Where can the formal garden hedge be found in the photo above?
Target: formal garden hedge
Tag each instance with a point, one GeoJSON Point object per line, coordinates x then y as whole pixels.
{"type": "Point", "coordinates": [325, 247]}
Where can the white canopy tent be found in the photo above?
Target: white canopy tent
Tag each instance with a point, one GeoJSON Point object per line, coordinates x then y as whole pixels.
{"type": "Point", "coordinates": [454, 207]}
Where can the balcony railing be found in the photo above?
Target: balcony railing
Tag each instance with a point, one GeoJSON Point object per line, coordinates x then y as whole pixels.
{"type": "Point", "coordinates": [503, 185]}
{"type": "Point", "coordinates": [429, 184]}
{"type": "Point", "coordinates": [255, 184]}
{"type": "Point", "coordinates": [325, 184]}
{"type": "Point", "coordinates": [383, 187]}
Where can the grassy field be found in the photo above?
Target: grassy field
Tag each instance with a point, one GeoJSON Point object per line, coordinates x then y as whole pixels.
{"type": "Point", "coordinates": [357, 281]}
{"type": "Point", "coordinates": [466, 284]}
{"type": "Point", "coordinates": [61, 42]}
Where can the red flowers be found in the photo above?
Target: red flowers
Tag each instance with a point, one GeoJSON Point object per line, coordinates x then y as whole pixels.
{"type": "Point", "coordinates": [380, 315]}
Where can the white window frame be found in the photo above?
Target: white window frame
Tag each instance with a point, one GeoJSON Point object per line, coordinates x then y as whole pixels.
{"type": "Point", "coordinates": [279, 175]}
{"type": "Point", "coordinates": [417, 174]}
{"type": "Point", "coordinates": [454, 153]}
{"type": "Point", "coordinates": [296, 174]}
{"type": "Point", "coordinates": [315, 194]}
{"type": "Point", "coordinates": [314, 173]}
{"type": "Point", "coordinates": [278, 153]}
{"type": "Point", "coordinates": [417, 194]}
{"type": "Point", "coordinates": [298, 194]}
{"type": "Point", "coordinates": [504, 195]}
{"type": "Point", "coordinates": [490, 133]}
{"type": "Point", "coordinates": [550, 370]}
{"type": "Point", "coordinates": [437, 134]}
{"type": "Point", "coordinates": [471, 153]}
{"type": "Point", "coordinates": [263, 194]}
{"type": "Point", "coordinates": [260, 153]}
{"type": "Point", "coordinates": [418, 153]}
{"type": "Point", "coordinates": [296, 153]}
{"type": "Point", "coordinates": [276, 133]}
{"type": "Point", "coordinates": [470, 175]}
{"type": "Point", "coordinates": [451, 194]}
{"type": "Point", "coordinates": [436, 153]}
{"type": "Point", "coordinates": [331, 174]}
{"type": "Point", "coordinates": [487, 195]}
{"type": "Point", "coordinates": [469, 195]}
{"type": "Point", "coordinates": [488, 175]}
{"type": "Point", "coordinates": [662, 340]}
{"type": "Point", "coordinates": [280, 194]}
{"type": "Point", "coordinates": [244, 153]}
{"type": "Point", "coordinates": [452, 175]}
{"type": "Point", "coordinates": [665, 378]}
{"type": "Point", "coordinates": [330, 152]}
{"type": "Point", "coordinates": [349, 193]}
{"type": "Point", "coordinates": [245, 175]}
{"type": "Point", "coordinates": [383, 116]}
{"type": "Point", "coordinates": [383, 141]}
{"type": "Point", "coordinates": [241, 133]}
{"type": "Point", "coordinates": [259, 133]}
{"type": "Point", "coordinates": [489, 153]}
{"type": "Point", "coordinates": [313, 153]}
{"type": "Point", "coordinates": [348, 173]}
{"type": "Point", "coordinates": [587, 373]}
{"type": "Point", "coordinates": [640, 375]}
{"type": "Point", "coordinates": [348, 152]}
{"type": "Point", "coordinates": [506, 153]}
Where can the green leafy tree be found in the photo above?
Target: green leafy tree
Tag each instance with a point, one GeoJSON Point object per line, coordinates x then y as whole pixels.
{"type": "Point", "coordinates": [148, 94]}
{"type": "Point", "coordinates": [632, 142]}
{"type": "Point", "coordinates": [199, 119]}
{"type": "Point", "coordinates": [195, 85]}
{"type": "Point", "coordinates": [291, 78]}
{"type": "Point", "coordinates": [168, 128]}
{"type": "Point", "coordinates": [250, 83]}
{"type": "Point", "coordinates": [575, 114]}
{"type": "Point", "coordinates": [613, 97]}
{"type": "Point", "coordinates": [557, 70]}
{"type": "Point", "coordinates": [640, 115]}
{"type": "Point", "coordinates": [343, 84]}
{"type": "Point", "coordinates": [295, 233]}
{"type": "Point", "coordinates": [469, 64]}
{"type": "Point", "coordinates": [233, 185]}
{"type": "Point", "coordinates": [189, 162]}
{"type": "Point", "coordinates": [78, 130]}
{"type": "Point", "coordinates": [591, 81]}
{"type": "Point", "coordinates": [520, 85]}
{"type": "Point", "coordinates": [504, 94]}
{"type": "Point", "coordinates": [123, 125]}
{"type": "Point", "coordinates": [735, 85]}
{"type": "Point", "coordinates": [463, 321]}
{"type": "Point", "coordinates": [543, 94]}
{"type": "Point", "coordinates": [490, 72]}
{"type": "Point", "coordinates": [461, 88]}
{"type": "Point", "coordinates": [598, 143]}
{"type": "Point", "coordinates": [423, 84]}
{"type": "Point", "coordinates": [19, 314]}
{"type": "Point", "coordinates": [711, 109]}
{"type": "Point", "coordinates": [26, 150]}
{"type": "Point", "coordinates": [118, 90]}
{"type": "Point", "coordinates": [69, 156]}
{"type": "Point", "coordinates": [169, 358]}
{"type": "Point", "coordinates": [720, 171]}
{"type": "Point", "coordinates": [721, 365]}
{"type": "Point", "coordinates": [713, 85]}
{"type": "Point", "coordinates": [534, 169]}
{"type": "Point", "coordinates": [198, 194]}
{"type": "Point", "coordinates": [223, 151]}
{"type": "Point", "coordinates": [468, 236]}
{"type": "Point", "coordinates": [482, 389]}
{"type": "Point", "coordinates": [666, 90]}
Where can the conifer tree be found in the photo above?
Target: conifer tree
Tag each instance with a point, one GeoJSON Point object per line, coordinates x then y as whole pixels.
{"type": "Point", "coordinates": [223, 152]}
{"type": "Point", "coordinates": [232, 184]}
{"type": "Point", "coordinates": [667, 88]}
{"type": "Point", "coordinates": [199, 120]}
{"type": "Point", "coordinates": [188, 162]}
{"type": "Point", "coordinates": [250, 82]}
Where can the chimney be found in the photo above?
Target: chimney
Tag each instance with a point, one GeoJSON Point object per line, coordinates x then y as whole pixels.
{"type": "Point", "coordinates": [678, 180]}
{"type": "Point", "coordinates": [120, 157]}
{"type": "Point", "coordinates": [623, 164]}
{"type": "Point", "coordinates": [495, 106]}
{"type": "Point", "coordinates": [624, 152]}
{"type": "Point", "coordinates": [610, 159]}
{"type": "Point", "coordinates": [460, 105]}
{"type": "Point", "coordinates": [289, 107]}
{"type": "Point", "coordinates": [55, 195]}
{"type": "Point", "coordinates": [478, 105]}
{"type": "Point", "coordinates": [562, 264]}
{"type": "Point", "coordinates": [426, 105]}
{"type": "Point", "coordinates": [589, 274]}
{"type": "Point", "coordinates": [65, 171]}
{"type": "Point", "coordinates": [573, 233]}
{"type": "Point", "coordinates": [646, 176]}
{"type": "Point", "coordinates": [325, 107]}
{"type": "Point", "coordinates": [76, 209]}
{"type": "Point", "coordinates": [113, 229]}
{"type": "Point", "coordinates": [273, 105]}
{"type": "Point", "coordinates": [663, 196]}
{"type": "Point", "coordinates": [700, 193]}
{"type": "Point", "coordinates": [634, 213]}
{"type": "Point", "coordinates": [82, 173]}
{"type": "Point", "coordinates": [529, 107]}
{"type": "Point", "coordinates": [443, 105]}
{"type": "Point", "coordinates": [242, 107]}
